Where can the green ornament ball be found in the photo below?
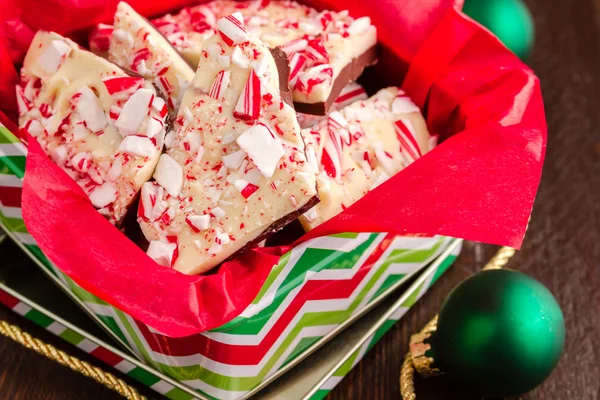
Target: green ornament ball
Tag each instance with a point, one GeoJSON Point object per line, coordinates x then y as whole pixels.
{"type": "Point", "coordinates": [510, 20]}
{"type": "Point", "coordinates": [500, 333]}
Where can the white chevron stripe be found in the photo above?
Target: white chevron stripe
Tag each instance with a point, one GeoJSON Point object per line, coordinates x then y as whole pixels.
{"type": "Point", "coordinates": [331, 382]}
{"type": "Point", "coordinates": [12, 149]}
{"type": "Point", "coordinates": [10, 212]}
{"type": "Point", "coordinates": [213, 391]}
{"type": "Point", "coordinates": [329, 243]}
{"type": "Point", "coordinates": [254, 340]}
{"type": "Point", "coordinates": [24, 238]}
{"type": "Point", "coordinates": [399, 313]}
{"type": "Point", "coordinates": [10, 181]}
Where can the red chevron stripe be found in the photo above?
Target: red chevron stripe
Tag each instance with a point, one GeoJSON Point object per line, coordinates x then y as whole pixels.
{"type": "Point", "coordinates": [10, 196]}
{"type": "Point", "coordinates": [252, 355]}
{"type": "Point", "coordinates": [8, 300]}
{"type": "Point", "coordinates": [107, 356]}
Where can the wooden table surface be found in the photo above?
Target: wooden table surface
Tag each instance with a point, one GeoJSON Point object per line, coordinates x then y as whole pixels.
{"type": "Point", "coordinates": [562, 248]}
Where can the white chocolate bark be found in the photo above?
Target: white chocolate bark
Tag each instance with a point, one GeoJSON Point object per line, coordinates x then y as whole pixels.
{"type": "Point", "coordinates": [136, 45]}
{"type": "Point", "coordinates": [361, 146]}
{"type": "Point", "coordinates": [236, 163]}
{"type": "Point", "coordinates": [319, 44]}
{"type": "Point", "coordinates": [349, 94]}
{"type": "Point", "coordinates": [101, 126]}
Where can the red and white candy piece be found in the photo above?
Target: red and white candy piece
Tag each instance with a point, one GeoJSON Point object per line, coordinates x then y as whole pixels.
{"type": "Point", "coordinates": [408, 142]}
{"type": "Point", "coordinates": [134, 112]}
{"type": "Point", "coordinates": [169, 175]}
{"type": "Point", "coordinates": [54, 55]}
{"type": "Point", "coordinates": [234, 160]}
{"type": "Point", "coordinates": [162, 252]}
{"type": "Point", "coordinates": [220, 84]}
{"type": "Point", "coordinates": [82, 162]}
{"type": "Point", "coordinates": [100, 38]}
{"type": "Point", "coordinates": [232, 30]}
{"type": "Point", "coordinates": [138, 146]}
{"type": "Point", "coordinates": [88, 107]}
{"type": "Point", "coordinates": [198, 223]}
{"type": "Point", "coordinates": [297, 63]}
{"type": "Point", "coordinates": [359, 26]}
{"type": "Point", "coordinates": [316, 52]}
{"type": "Point", "coordinates": [349, 94]}
{"type": "Point", "coordinates": [402, 104]}
{"type": "Point", "coordinates": [118, 84]}
{"type": "Point", "coordinates": [23, 103]}
{"type": "Point", "coordinates": [263, 148]}
{"type": "Point", "coordinates": [103, 195]}
{"type": "Point", "coordinates": [248, 105]}
{"type": "Point", "coordinates": [239, 59]}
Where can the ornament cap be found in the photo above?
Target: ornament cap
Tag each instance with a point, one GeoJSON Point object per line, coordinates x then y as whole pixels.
{"type": "Point", "coordinates": [419, 347]}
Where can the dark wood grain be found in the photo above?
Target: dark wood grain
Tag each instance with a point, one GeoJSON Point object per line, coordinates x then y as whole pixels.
{"type": "Point", "coordinates": [562, 248]}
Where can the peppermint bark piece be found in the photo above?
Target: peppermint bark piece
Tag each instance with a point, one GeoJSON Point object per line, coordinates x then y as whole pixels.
{"type": "Point", "coordinates": [136, 45]}
{"type": "Point", "coordinates": [101, 126]}
{"type": "Point", "coordinates": [327, 50]}
{"type": "Point", "coordinates": [361, 146]}
{"type": "Point", "coordinates": [235, 170]}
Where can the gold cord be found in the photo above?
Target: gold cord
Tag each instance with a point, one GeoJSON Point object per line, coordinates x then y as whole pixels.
{"type": "Point", "coordinates": [105, 378]}
{"type": "Point", "coordinates": [407, 372]}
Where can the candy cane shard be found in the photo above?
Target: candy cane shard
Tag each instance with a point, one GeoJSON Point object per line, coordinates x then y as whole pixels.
{"type": "Point", "coordinates": [360, 146]}
{"type": "Point", "coordinates": [137, 45]}
{"type": "Point", "coordinates": [235, 169]}
{"type": "Point", "coordinates": [92, 119]}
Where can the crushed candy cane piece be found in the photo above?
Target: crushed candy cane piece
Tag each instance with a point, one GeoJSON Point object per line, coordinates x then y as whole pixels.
{"type": "Point", "coordinates": [263, 148]}
{"type": "Point", "coordinates": [169, 175]}
{"type": "Point", "coordinates": [162, 252]}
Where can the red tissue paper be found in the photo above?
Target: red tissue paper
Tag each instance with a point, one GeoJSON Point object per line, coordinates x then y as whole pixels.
{"type": "Point", "coordinates": [478, 184]}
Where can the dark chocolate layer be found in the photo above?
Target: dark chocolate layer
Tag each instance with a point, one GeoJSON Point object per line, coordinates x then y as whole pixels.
{"type": "Point", "coordinates": [349, 74]}
{"type": "Point", "coordinates": [283, 68]}
{"type": "Point", "coordinates": [277, 225]}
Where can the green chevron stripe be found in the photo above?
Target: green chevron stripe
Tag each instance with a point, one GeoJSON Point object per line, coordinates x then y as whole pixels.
{"type": "Point", "coordinates": [41, 319]}
{"type": "Point", "coordinates": [71, 336]}
{"type": "Point", "coordinates": [16, 164]}
{"type": "Point", "coordinates": [6, 136]}
{"type": "Point", "coordinates": [320, 394]}
{"type": "Point", "coordinates": [14, 224]}
{"type": "Point", "coordinates": [178, 394]}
